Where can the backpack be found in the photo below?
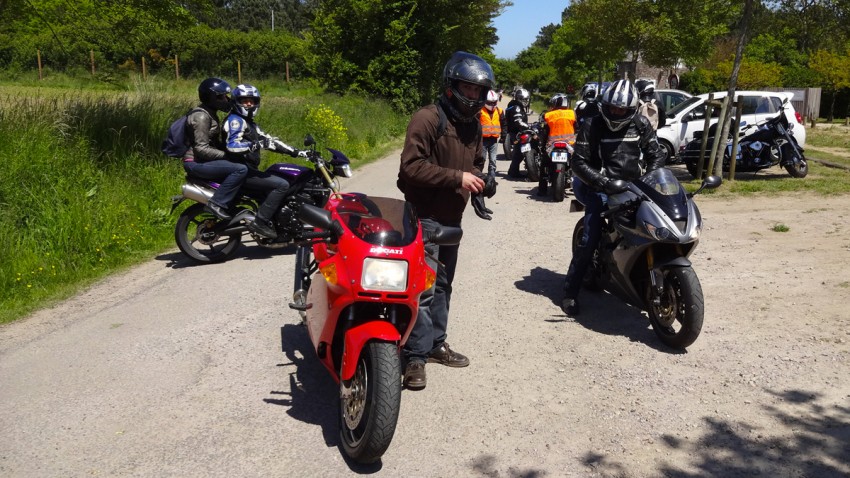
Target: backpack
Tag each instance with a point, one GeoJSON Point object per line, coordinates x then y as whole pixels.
{"type": "Point", "coordinates": [177, 142]}
{"type": "Point", "coordinates": [650, 110]}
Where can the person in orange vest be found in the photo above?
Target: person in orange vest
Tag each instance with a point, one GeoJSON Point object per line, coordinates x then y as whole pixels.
{"type": "Point", "coordinates": [492, 118]}
{"type": "Point", "coordinates": [559, 125]}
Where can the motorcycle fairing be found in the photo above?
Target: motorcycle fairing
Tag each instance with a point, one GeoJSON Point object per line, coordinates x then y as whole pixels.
{"type": "Point", "coordinates": [357, 337]}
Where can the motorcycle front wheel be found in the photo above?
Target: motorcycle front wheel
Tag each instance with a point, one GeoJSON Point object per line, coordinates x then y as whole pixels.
{"type": "Point", "coordinates": [506, 146]}
{"type": "Point", "coordinates": [677, 318]}
{"type": "Point", "coordinates": [532, 165]}
{"type": "Point", "coordinates": [196, 238]}
{"type": "Point", "coordinates": [369, 412]}
{"type": "Point", "coordinates": [797, 169]}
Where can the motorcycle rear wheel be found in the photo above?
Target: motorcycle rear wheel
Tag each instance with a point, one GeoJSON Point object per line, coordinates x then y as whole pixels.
{"type": "Point", "coordinates": [368, 416]}
{"type": "Point", "coordinates": [532, 165]}
{"type": "Point", "coordinates": [677, 320]}
{"type": "Point", "coordinates": [507, 145]}
{"type": "Point", "coordinates": [560, 184]}
{"type": "Point", "coordinates": [195, 239]}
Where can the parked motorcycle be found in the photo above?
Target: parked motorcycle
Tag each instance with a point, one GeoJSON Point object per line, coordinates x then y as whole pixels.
{"type": "Point", "coordinates": [649, 231]}
{"type": "Point", "coordinates": [771, 143]}
{"type": "Point", "coordinates": [363, 274]}
{"type": "Point", "coordinates": [206, 239]}
{"type": "Point", "coordinates": [528, 142]}
{"type": "Point", "coordinates": [557, 174]}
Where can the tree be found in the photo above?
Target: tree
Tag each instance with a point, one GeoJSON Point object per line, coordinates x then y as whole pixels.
{"type": "Point", "coordinates": [834, 72]}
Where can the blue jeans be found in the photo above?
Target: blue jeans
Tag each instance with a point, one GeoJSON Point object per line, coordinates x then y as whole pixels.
{"type": "Point", "coordinates": [229, 175]}
{"type": "Point", "coordinates": [429, 331]}
{"type": "Point", "coordinates": [491, 146]}
{"type": "Point", "coordinates": [271, 189]}
{"type": "Point", "coordinates": [594, 203]}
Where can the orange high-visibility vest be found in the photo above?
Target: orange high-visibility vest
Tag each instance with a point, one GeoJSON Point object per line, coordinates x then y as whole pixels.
{"type": "Point", "coordinates": [490, 125]}
{"type": "Point", "coordinates": [561, 124]}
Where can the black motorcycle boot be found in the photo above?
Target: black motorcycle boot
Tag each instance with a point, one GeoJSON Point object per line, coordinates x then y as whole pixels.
{"type": "Point", "coordinates": [262, 227]}
{"type": "Point", "coordinates": [217, 211]}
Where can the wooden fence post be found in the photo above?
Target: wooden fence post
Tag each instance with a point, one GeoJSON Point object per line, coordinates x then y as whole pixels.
{"type": "Point", "coordinates": [91, 56]}
{"type": "Point", "coordinates": [239, 71]}
{"type": "Point", "coordinates": [287, 72]}
{"type": "Point", "coordinates": [39, 65]}
{"type": "Point", "coordinates": [176, 67]}
{"type": "Point", "coordinates": [144, 70]}
{"type": "Point", "coordinates": [733, 160]}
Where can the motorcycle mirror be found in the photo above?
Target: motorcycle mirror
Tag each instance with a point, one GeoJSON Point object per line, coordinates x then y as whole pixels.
{"type": "Point", "coordinates": [711, 182]}
{"type": "Point", "coordinates": [309, 141]}
{"type": "Point", "coordinates": [446, 236]}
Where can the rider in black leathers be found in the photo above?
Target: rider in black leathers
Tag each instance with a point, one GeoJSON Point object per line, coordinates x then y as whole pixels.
{"type": "Point", "coordinates": [516, 115]}
{"type": "Point", "coordinates": [587, 108]}
{"type": "Point", "coordinates": [608, 147]}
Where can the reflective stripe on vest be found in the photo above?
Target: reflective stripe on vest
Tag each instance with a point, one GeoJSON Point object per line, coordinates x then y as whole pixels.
{"type": "Point", "coordinates": [561, 124]}
{"type": "Point", "coordinates": [490, 126]}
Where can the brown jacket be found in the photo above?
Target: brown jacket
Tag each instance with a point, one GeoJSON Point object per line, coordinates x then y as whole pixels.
{"type": "Point", "coordinates": [432, 169]}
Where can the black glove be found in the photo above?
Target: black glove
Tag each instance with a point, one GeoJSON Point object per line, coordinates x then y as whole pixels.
{"type": "Point", "coordinates": [502, 139]}
{"type": "Point", "coordinates": [615, 186]}
{"type": "Point", "coordinates": [489, 185]}
{"type": "Point", "coordinates": [479, 207]}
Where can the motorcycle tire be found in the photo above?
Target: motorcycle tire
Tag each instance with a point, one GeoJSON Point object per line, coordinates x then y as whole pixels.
{"type": "Point", "coordinates": [369, 415]}
{"type": "Point", "coordinates": [677, 320]}
{"type": "Point", "coordinates": [795, 169]}
{"type": "Point", "coordinates": [303, 257]}
{"type": "Point", "coordinates": [196, 241]}
{"type": "Point", "coordinates": [592, 279]}
{"type": "Point", "coordinates": [560, 185]}
{"type": "Point", "coordinates": [532, 165]}
{"type": "Point", "coordinates": [506, 146]}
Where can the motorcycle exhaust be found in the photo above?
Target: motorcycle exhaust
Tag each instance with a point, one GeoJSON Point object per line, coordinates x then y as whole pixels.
{"type": "Point", "coordinates": [197, 193]}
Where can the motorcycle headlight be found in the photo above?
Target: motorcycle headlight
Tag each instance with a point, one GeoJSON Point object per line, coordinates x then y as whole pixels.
{"type": "Point", "coordinates": [384, 274]}
{"type": "Point", "coordinates": [343, 170]}
{"type": "Point", "coordinates": [660, 233]}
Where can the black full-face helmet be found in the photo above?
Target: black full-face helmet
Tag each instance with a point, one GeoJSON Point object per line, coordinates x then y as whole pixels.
{"type": "Point", "coordinates": [619, 104]}
{"type": "Point", "coordinates": [467, 68]}
{"type": "Point", "coordinates": [213, 93]}
{"type": "Point", "coordinates": [646, 89]}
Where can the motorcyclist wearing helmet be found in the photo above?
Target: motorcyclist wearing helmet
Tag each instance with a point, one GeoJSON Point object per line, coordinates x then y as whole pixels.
{"type": "Point", "coordinates": [492, 130]}
{"type": "Point", "coordinates": [245, 139]}
{"type": "Point", "coordinates": [438, 173]}
{"type": "Point", "coordinates": [558, 125]}
{"type": "Point", "coordinates": [588, 107]}
{"type": "Point", "coordinates": [516, 115]}
{"type": "Point", "coordinates": [608, 147]}
{"type": "Point", "coordinates": [649, 104]}
{"type": "Point", "coordinates": [206, 158]}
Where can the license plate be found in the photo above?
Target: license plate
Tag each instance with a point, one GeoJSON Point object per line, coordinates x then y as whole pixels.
{"type": "Point", "coordinates": [525, 148]}
{"type": "Point", "coordinates": [560, 157]}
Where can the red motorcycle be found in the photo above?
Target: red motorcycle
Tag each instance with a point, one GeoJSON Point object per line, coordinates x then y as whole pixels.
{"type": "Point", "coordinates": [357, 285]}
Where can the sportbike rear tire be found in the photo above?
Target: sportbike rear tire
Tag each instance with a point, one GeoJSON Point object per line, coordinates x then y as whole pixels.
{"type": "Point", "coordinates": [677, 320]}
{"type": "Point", "coordinates": [368, 417]}
{"type": "Point", "coordinates": [193, 235]}
{"type": "Point", "coordinates": [532, 165]}
{"type": "Point", "coordinates": [560, 185]}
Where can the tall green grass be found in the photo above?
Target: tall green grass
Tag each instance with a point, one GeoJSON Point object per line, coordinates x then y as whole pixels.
{"type": "Point", "coordinates": [84, 190]}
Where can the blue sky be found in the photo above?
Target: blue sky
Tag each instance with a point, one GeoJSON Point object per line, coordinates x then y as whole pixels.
{"type": "Point", "coordinates": [518, 26]}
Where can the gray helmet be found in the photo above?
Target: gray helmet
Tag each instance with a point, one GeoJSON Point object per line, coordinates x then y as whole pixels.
{"type": "Point", "coordinates": [468, 68]}
{"type": "Point", "coordinates": [621, 95]}
{"type": "Point", "coordinates": [523, 96]}
{"type": "Point", "coordinates": [559, 100]}
{"type": "Point", "coordinates": [213, 94]}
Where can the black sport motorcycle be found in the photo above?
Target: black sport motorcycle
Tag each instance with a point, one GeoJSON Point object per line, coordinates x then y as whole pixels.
{"type": "Point", "coordinates": [770, 144]}
{"type": "Point", "coordinates": [528, 142]}
{"type": "Point", "coordinates": [557, 175]}
{"type": "Point", "coordinates": [649, 230]}
{"type": "Point", "coordinates": [206, 239]}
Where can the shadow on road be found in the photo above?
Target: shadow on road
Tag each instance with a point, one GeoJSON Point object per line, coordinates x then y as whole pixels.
{"type": "Point", "coordinates": [600, 311]}
{"type": "Point", "coordinates": [246, 252]}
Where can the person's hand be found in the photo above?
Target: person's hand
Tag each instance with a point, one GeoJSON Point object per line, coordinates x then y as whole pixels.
{"type": "Point", "coordinates": [489, 185]}
{"type": "Point", "coordinates": [472, 183]}
{"type": "Point", "coordinates": [615, 186]}
{"type": "Point", "coordinates": [302, 153]}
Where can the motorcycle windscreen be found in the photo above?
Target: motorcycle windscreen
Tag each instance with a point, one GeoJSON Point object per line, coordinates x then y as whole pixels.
{"type": "Point", "coordinates": [665, 190]}
{"type": "Point", "coordinates": [379, 221]}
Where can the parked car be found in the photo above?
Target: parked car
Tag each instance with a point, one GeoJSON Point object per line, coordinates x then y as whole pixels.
{"type": "Point", "coordinates": [689, 116]}
{"type": "Point", "coordinates": [671, 98]}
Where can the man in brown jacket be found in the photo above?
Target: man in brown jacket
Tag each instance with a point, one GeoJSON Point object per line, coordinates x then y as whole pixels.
{"type": "Point", "coordinates": [441, 166]}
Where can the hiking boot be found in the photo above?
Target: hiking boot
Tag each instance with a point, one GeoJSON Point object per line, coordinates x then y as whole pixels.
{"type": "Point", "coordinates": [448, 357]}
{"type": "Point", "coordinates": [414, 376]}
{"type": "Point", "coordinates": [217, 211]}
{"type": "Point", "coordinates": [570, 307]}
{"type": "Point", "coordinates": [262, 228]}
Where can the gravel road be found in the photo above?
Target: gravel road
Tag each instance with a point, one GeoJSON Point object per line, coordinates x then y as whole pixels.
{"type": "Point", "coordinates": [177, 370]}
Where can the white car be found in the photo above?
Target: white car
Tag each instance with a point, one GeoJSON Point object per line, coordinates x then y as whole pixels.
{"type": "Point", "coordinates": [689, 116]}
{"type": "Point", "coordinates": [671, 98]}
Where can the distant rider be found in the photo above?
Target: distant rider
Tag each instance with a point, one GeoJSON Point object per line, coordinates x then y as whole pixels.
{"type": "Point", "coordinates": [587, 107]}
{"type": "Point", "coordinates": [493, 130]}
{"type": "Point", "coordinates": [559, 125]}
{"type": "Point", "coordinates": [649, 104]}
{"type": "Point", "coordinates": [516, 114]}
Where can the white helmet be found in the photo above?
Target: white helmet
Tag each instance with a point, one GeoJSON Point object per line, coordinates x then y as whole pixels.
{"type": "Point", "coordinates": [492, 100]}
{"type": "Point", "coordinates": [623, 97]}
{"type": "Point", "coordinates": [244, 93]}
{"type": "Point", "coordinates": [523, 96]}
